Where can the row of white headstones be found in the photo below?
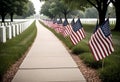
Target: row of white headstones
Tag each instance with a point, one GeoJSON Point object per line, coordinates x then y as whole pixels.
{"type": "Point", "coordinates": [12, 29]}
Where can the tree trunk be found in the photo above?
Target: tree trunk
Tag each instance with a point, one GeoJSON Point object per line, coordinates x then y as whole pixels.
{"type": "Point", "coordinates": [65, 15]}
{"type": "Point", "coordinates": [11, 17]}
{"type": "Point", "coordinates": [3, 18]}
{"type": "Point", "coordinates": [117, 26]}
{"type": "Point", "coordinates": [101, 18]}
{"type": "Point", "coordinates": [102, 14]}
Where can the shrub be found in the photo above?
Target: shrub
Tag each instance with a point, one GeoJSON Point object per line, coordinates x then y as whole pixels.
{"type": "Point", "coordinates": [110, 73]}
{"type": "Point", "coordinates": [80, 48]}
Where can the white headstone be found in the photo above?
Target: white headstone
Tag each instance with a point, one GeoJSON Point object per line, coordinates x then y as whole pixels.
{"type": "Point", "coordinates": [20, 30]}
{"type": "Point", "coordinates": [3, 34]}
{"type": "Point", "coordinates": [9, 23]}
{"type": "Point", "coordinates": [13, 30]}
{"type": "Point", "coordinates": [17, 29]}
{"type": "Point", "coordinates": [5, 23]}
{"type": "Point", "coordinates": [23, 27]}
{"type": "Point", "coordinates": [9, 32]}
{"type": "Point", "coordinates": [2, 24]}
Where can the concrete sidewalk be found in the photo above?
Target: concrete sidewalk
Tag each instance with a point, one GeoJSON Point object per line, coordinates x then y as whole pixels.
{"type": "Point", "coordinates": [48, 61]}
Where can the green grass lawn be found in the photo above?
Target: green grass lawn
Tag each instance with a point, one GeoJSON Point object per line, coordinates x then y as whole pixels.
{"type": "Point", "coordinates": [110, 71]}
{"type": "Point", "coordinates": [13, 49]}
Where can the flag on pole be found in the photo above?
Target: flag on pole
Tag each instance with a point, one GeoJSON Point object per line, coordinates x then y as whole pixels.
{"type": "Point", "coordinates": [78, 32]}
{"type": "Point", "coordinates": [53, 24]}
{"type": "Point", "coordinates": [60, 21]}
{"type": "Point", "coordinates": [96, 27]}
{"type": "Point", "coordinates": [58, 28]}
{"type": "Point", "coordinates": [101, 41]}
{"type": "Point", "coordinates": [67, 28]}
{"type": "Point", "coordinates": [72, 23]}
{"type": "Point", "coordinates": [54, 21]}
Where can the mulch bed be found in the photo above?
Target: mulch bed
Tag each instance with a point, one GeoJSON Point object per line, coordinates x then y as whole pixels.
{"type": "Point", "coordinates": [90, 74]}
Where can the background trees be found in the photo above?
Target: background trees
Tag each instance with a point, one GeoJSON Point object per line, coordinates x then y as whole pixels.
{"type": "Point", "coordinates": [55, 9]}
{"type": "Point", "coordinates": [100, 5]}
{"type": "Point", "coordinates": [91, 13]}
{"type": "Point", "coordinates": [18, 7]}
{"type": "Point", "coordinates": [29, 11]}
{"type": "Point", "coordinates": [76, 7]}
{"type": "Point", "coordinates": [45, 9]}
{"type": "Point", "coordinates": [4, 8]}
{"type": "Point", "coordinates": [116, 3]}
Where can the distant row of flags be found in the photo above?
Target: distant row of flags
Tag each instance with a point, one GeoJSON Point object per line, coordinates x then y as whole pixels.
{"type": "Point", "coordinates": [100, 43]}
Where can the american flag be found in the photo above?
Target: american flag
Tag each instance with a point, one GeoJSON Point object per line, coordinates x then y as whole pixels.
{"type": "Point", "coordinates": [67, 28]}
{"type": "Point", "coordinates": [78, 32]}
{"type": "Point", "coordinates": [50, 24]}
{"type": "Point", "coordinates": [72, 22]}
{"type": "Point", "coordinates": [60, 21]}
{"type": "Point", "coordinates": [54, 21]}
{"type": "Point", "coordinates": [54, 24]}
{"type": "Point", "coordinates": [101, 42]}
{"type": "Point", "coordinates": [59, 27]}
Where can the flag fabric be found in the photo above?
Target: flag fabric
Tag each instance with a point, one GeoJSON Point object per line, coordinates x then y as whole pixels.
{"type": "Point", "coordinates": [101, 43]}
{"type": "Point", "coordinates": [50, 24]}
{"type": "Point", "coordinates": [72, 23]}
{"type": "Point", "coordinates": [59, 27]}
{"type": "Point", "coordinates": [55, 25]}
{"type": "Point", "coordinates": [78, 32]}
{"type": "Point", "coordinates": [67, 28]}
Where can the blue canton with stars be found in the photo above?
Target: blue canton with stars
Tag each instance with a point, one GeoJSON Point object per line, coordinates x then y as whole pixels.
{"type": "Point", "coordinates": [65, 22]}
{"type": "Point", "coordinates": [54, 21]}
{"type": "Point", "coordinates": [77, 25]}
{"type": "Point", "coordinates": [106, 28]}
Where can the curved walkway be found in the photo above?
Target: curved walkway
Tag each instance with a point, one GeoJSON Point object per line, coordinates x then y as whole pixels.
{"type": "Point", "coordinates": [48, 61]}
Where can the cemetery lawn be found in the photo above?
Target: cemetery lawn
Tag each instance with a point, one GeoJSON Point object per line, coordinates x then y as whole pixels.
{"type": "Point", "coordinates": [110, 72]}
{"type": "Point", "coordinates": [14, 48]}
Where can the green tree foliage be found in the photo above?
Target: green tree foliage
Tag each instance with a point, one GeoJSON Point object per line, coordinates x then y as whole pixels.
{"type": "Point", "coordinates": [116, 3]}
{"type": "Point", "coordinates": [77, 4]}
{"type": "Point", "coordinates": [111, 11]}
{"type": "Point", "coordinates": [91, 13]}
{"type": "Point", "coordinates": [53, 9]}
{"type": "Point", "coordinates": [18, 7]}
{"type": "Point", "coordinates": [30, 10]}
{"type": "Point", "coordinates": [63, 8]}
{"type": "Point", "coordinates": [45, 9]}
{"type": "Point", "coordinates": [4, 8]}
{"type": "Point", "coordinates": [100, 5]}
{"type": "Point", "coordinates": [76, 13]}
{"type": "Point", "coordinates": [56, 8]}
